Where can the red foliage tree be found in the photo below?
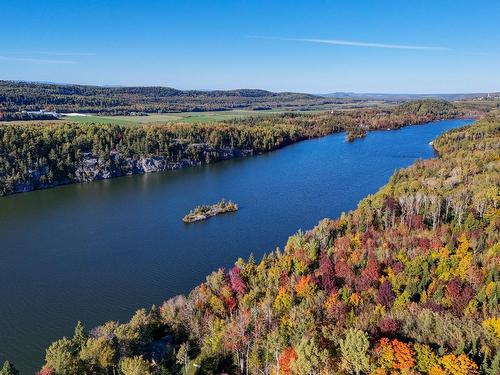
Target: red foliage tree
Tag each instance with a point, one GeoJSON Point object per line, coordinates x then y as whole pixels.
{"type": "Point", "coordinates": [385, 295]}
{"type": "Point", "coordinates": [416, 222]}
{"type": "Point", "coordinates": [392, 207]}
{"type": "Point", "coordinates": [45, 371]}
{"type": "Point", "coordinates": [338, 313]}
{"type": "Point", "coordinates": [343, 271]}
{"type": "Point", "coordinates": [327, 272]}
{"type": "Point", "coordinates": [237, 283]}
{"type": "Point", "coordinates": [459, 294]}
{"type": "Point", "coordinates": [397, 267]}
{"type": "Point", "coordinates": [388, 326]}
{"type": "Point", "coordinates": [424, 243]}
{"type": "Point", "coordinates": [362, 283]}
{"type": "Point", "coordinates": [369, 276]}
{"type": "Point", "coordinates": [436, 243]}
{"type": "Point", "coordinates": [342, 245]}
{"type": "Point", "coordinates": [230, 303]}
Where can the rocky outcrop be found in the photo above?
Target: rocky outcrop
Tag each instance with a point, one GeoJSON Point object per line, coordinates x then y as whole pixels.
{"type": "Point", "coordinates": [92, 167]}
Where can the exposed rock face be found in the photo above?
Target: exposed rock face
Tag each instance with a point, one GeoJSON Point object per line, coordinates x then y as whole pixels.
{"type": "Point", "coordinates": [93, 168]}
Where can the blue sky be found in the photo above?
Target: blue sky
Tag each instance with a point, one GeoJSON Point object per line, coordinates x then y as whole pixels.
{"type": "Point", "coordinates": [309, 46]}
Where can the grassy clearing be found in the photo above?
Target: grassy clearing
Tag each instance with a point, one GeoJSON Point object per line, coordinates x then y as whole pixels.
{"type": "Point", "coordinates": [118, 120]}
{"type": "Point", "coordinates": [161, 118]}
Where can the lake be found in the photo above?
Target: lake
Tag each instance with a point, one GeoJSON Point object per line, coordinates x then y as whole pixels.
{"type": "Point", "coordinates": [99, 251]}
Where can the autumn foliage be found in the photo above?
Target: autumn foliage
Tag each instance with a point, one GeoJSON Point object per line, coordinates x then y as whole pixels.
{"type": "Point", "coordinates": [407, 283]}
{"type": "Point", "coordinates": [395, 354]}
{"type": "Point", "coordinates": [286, 359]}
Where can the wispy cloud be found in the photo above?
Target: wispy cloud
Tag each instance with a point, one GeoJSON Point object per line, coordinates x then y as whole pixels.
{"type": "Point", "coordinates": [67, 53]}
{"type": "Point", "coordinates": [35, 61]}
{"type": "Point", "coordinates": [339, 42]}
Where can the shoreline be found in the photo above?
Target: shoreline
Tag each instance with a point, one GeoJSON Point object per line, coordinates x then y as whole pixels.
{"type": "Point", "coordinates": [89, 169]}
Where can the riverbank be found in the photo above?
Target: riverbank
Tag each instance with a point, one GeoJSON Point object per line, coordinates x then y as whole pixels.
{"type": "Point", "coordinates": [42, 156]}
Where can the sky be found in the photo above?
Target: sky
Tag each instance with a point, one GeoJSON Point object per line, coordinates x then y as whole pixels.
{"type": "Point", "coordinates": [313, 46]}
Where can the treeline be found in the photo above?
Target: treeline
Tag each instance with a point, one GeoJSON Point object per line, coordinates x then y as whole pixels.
{"type": "Point", "coordinates": [39, 155]}
{"type": "Point", "coordinates": [408, 283]}
{"type": "Point", "coordinates": [33, 157]}
{"type": "Point", "coordinates": [358, 121]}
{"type": "Point", "coordinates": [24, 116]}
{"type": "Point", "coordinates": [425, 107]}
{"type": "Point", "coordinates": [19, 96]}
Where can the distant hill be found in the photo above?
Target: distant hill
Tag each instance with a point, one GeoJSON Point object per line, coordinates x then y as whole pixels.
{"type": "Point", "coordinates": [426, 107]}
{"type": "Point", "coordinates": [19, 96]}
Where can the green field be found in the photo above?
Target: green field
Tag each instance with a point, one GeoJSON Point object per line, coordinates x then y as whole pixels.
{"type": "Point", "coordinates": [186, 117]}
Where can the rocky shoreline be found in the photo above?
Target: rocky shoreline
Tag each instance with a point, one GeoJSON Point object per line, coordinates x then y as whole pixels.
{"type": "Point", "coordinates": [92, 168]}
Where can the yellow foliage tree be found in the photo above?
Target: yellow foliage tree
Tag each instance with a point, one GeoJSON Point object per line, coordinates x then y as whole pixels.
{"type": "Point", "coordinates": [283, 300]}
{"type": "Point", "coordinates": [452, 364]}
{"type": "Point", "coordinates": [492, 325]}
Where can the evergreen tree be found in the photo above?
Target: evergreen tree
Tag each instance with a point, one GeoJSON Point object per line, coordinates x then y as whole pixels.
{"type": "Point", "coordinates": [8, 369]}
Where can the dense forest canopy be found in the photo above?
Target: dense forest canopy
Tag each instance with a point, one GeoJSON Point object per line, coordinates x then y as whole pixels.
{"type": "Point", "coordinates": [408, 283]}
{"type": "Point", "coordinates": [37, 155]}
{"type": "Point", "coordinates": [19, 96]}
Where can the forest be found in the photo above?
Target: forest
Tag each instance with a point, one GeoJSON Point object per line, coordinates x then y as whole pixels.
{"type": "Point", "coordinates": [18, 96]}
{"type": "Point", "coordinates": [407, 283]}
{"type": "Point", "coordinates": [37, 155]}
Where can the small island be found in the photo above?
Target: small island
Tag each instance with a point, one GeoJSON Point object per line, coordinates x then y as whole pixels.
{"type": "Point", "coordinates": [205, 211]}
{"type": "Point", "coordinates": [354, 134]}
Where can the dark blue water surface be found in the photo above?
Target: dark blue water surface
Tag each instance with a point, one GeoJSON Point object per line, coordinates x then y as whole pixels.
{"type": "Point", "coordinates": [99, 251]}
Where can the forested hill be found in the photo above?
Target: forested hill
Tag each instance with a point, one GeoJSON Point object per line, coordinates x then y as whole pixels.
{"type": "Point", "coordinates": [40, 155]}
{"type": "Point", "coordinates": [408, 283]}
{"type": "Point", "coordinates": [434, 107]}
{"type": "Point", "coordinates": [18, 96]}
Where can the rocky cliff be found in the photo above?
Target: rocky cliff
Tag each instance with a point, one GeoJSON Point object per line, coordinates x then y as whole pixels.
{"type": "Point", "coordinates": [92, 167]}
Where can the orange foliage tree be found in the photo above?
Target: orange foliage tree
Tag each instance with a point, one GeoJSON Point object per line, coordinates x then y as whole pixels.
{"type": "Point", "coordinates": [394, 354]}
{"type": "Point", "coordinates": [305, 286]}
{"type": "Point", "coordinates": [286, 359]}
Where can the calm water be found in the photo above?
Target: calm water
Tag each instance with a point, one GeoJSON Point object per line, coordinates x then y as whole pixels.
{"type": "Point", "coordinates": [100, 251]}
